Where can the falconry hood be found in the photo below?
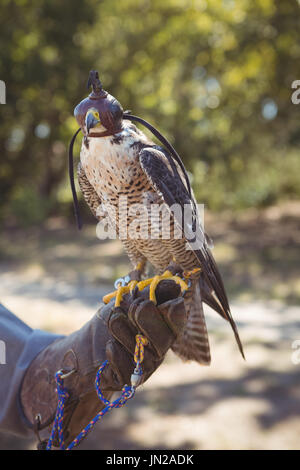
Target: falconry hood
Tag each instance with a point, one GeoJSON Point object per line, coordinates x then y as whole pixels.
{"type": "Point", "coordinates": [109, 109]}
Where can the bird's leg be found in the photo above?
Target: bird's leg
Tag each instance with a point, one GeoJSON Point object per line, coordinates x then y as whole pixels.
{"type": "Point", "coordinates": [136, 273]}
{"type": "Point", "coordinates": [125, 285]}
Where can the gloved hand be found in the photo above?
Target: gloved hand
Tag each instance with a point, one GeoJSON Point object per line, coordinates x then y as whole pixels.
{"type": "Point", "coordinates": [109, 334]}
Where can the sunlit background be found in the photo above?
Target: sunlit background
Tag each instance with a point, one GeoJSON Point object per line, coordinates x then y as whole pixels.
{"type": "Point", "coordinates": [216, 78]}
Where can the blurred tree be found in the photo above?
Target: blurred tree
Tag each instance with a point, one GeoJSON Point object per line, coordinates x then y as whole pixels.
{"type": "Point", "coordinates": [215, 76]}
{"type": "Point", "coordinates": [45, 71]}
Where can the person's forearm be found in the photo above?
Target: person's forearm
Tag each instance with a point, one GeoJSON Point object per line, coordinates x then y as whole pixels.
{"type": "Point", "coordinates": [20, 345]}
{"type": "Point", "coordinates": [78, 355]}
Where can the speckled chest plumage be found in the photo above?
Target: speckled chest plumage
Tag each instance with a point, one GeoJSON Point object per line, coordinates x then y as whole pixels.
{"type": "Point", "coordinates": [112, 167]}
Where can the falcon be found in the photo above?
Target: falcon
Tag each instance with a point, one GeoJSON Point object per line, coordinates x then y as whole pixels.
{"type": "Point", "coordinates": [117, 160]}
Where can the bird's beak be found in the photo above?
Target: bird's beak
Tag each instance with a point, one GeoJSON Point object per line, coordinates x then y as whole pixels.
{"type": "Point", "coordinates": [91, 121]}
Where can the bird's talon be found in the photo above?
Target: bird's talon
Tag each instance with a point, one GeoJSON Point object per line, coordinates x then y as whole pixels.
{"type": "Point", "coordinates": [132, 285]}
{"type": "Point", "coordinates": [192, 272]}
{"type": "Point", "coordinates": [124, 286]}
{"type": "Point", "coordinates": [154, 281]}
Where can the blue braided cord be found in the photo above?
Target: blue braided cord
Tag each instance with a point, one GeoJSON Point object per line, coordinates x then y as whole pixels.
{"type": "Point", "coordinates": [127, 393]}
{"type": "Point", "coordinates": [97, 383]}
{"type": "Point", "coordinates": [57, 425]}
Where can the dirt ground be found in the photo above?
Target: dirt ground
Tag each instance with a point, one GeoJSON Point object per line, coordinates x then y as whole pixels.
{"type": "Point", "coordinates": [53, 278]}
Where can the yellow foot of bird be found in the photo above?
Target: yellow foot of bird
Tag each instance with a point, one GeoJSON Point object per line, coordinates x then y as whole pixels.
{"type": "Point", "coordinates": [154, 281]}
{"type": "Point", "coordinates": [118, 294]}
{"type": "Point", "coordinates": [125, 285]}
{"type": "Point", "coordinates": [193, 274]}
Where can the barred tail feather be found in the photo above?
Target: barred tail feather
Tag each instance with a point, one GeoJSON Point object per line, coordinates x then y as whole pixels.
{"type": "Point", "coordinates": [193, 344]}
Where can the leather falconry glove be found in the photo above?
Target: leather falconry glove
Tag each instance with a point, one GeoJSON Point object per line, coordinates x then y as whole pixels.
{"type": "Point", "coordinates": [110, 334]}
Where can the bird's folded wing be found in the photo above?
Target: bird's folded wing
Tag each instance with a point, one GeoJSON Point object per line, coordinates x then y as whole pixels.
{"type": "Point", "coordinates": [168, 183]}
{"type": "Point", "coordinates": [90, 195]}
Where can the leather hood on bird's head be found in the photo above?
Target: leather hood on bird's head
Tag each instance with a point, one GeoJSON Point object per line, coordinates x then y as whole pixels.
{"type": "Point", "coordinates": [109, 109]}
{"type": "Point", "coordinates": [111, 115]}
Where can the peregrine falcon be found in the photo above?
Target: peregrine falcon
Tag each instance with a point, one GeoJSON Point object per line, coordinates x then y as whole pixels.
{"type": "Point", "coordinates": [118, 160]}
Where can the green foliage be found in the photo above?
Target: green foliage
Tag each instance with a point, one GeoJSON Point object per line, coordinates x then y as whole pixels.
{"type": "Point", "coordinates": [215, 76]}
{"type": "Point", "coordinates": [28, 207]}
